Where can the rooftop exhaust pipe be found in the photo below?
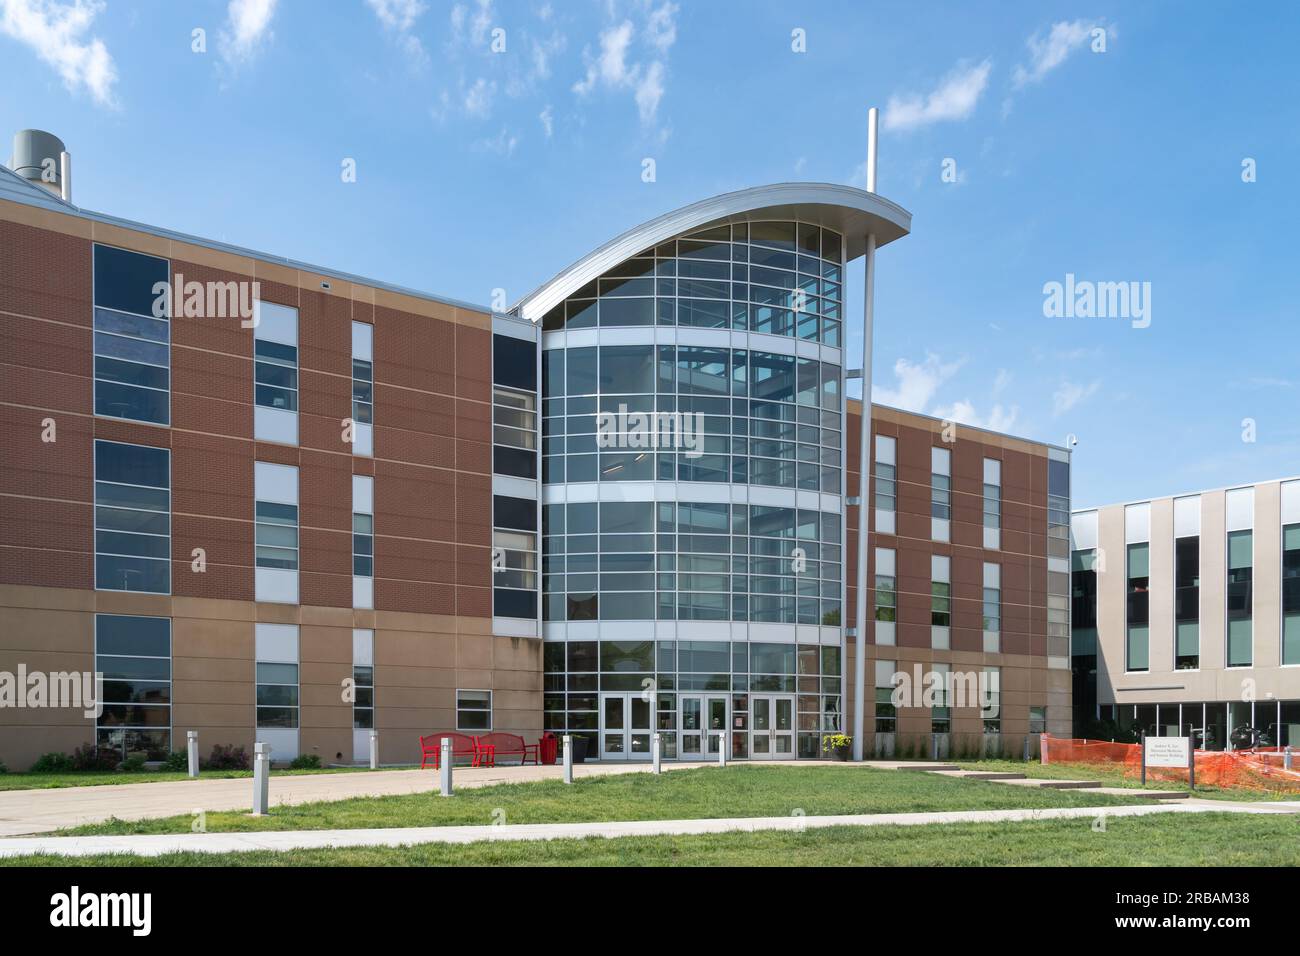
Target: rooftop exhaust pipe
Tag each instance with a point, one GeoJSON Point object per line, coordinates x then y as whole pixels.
{"type": "Point", "coordinates": [41, 158]}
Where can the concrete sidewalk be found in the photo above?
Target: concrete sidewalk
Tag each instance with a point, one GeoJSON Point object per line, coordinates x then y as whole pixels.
{"type": "Point", "coordinates": [283, 840]}
{"type": "Point", "coordinates": [42, 811]}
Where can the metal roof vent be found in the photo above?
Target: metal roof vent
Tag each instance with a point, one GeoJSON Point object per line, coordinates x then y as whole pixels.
{"type": "Point", "coordinates": [41, 158]}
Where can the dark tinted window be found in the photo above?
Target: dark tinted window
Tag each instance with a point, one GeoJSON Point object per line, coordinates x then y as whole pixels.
{"type": "Point", "coordinates": [131, 464]}
{"type": "Point", "coordinates": [125, 280]}
{"type": "Point", "coordinates": [518, 462]}
{"type": "Point", "coordinates": [514, 363]}
{"type": "Point", "coordinates": [518, 513]}
{"type": "Point", "coordinates": [134, 636]}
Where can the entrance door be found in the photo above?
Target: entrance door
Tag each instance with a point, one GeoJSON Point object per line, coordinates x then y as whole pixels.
{"type": "Point", "coordinates": [624, 727]}
{"type": "Point", "coordinates": [771, 728]}
{"type": "Point", "coordinates": [703, 716]}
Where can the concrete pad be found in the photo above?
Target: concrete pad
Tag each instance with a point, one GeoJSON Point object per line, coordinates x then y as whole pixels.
{"type": "Point", "coordinates": [980, 774]}
{"type": "Point", "coordinates": [1054, 784]}
{"type": "Point", "coordinates": [1144, 794]}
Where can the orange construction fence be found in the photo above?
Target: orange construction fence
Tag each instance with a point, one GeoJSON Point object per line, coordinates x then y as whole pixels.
{"type": "Point", "coordinates": [1258, 769]}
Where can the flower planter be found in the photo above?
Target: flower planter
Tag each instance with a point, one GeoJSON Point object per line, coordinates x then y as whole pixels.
{"type": "Point", "coordinates": [841, 753]}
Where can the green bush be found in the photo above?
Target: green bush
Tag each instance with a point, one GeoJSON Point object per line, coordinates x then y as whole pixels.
{"type": "Point", "coordinates": [176, 761]}
{"type": "Point", "coordinates": [305, 762]}
{"type": "Point", "coordinates": [133, 764]}
{"type": "Point", "coordinates": [227, 758]}
{"type": "Point", "coordinates": [91, 758]}
{"type": "Point", "coordinates": [3, 768]}
{"type": "Point", "coordinates": [52, 763]}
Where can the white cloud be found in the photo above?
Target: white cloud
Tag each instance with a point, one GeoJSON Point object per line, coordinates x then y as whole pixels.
{"type": "Point", "coordinates": [1002, 380]}
{"type": "Point", "coordinates": [56, 33]}
{"type": "Point", "coordinates": [398, 18]}
{"type": "Point", "coordinates": [478, 24]}
{"type": "Point", "coordinates": [916, 383]}
{"type": "Point", "coordinates": [248, 24]}
{"type": "Point", "coordinates": [503, 144]}
{"type": "Point", "coordinates": [478, 100]}
{"type": "Point", "coordinates": [547, 116]}
{"type": "Point", "coordinates": [954, 99]}
{"type": "Point", "coordinates": [615, 68]}
{"type": "Point", "coordinates": [1046, 54]}
{"type": "Point", "coordinates": [999, 419]}
{"type": "Point", "coordinates": [1070, 394]}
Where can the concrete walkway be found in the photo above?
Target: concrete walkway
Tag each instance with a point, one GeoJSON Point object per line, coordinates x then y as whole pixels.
{"type": "Point", "coordinates": [42, 811]}
{"type": "Point", "coordinates": [283, 840]}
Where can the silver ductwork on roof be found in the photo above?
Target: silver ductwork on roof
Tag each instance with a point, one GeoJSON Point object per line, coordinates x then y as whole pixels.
{"type": "Point", "coordinates": [41, 158]}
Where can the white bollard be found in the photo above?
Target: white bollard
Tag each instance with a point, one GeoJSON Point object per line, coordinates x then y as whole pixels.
{"type": "Point", "coordinates": [261, 778]}
{"type": "Point", "coordinates": [1286, 758]}
{"type": "Point", "coordinates": [568, 758]}
{"type": "Point", "coordinates": [444, 768]}
{"type": "Point", "coordinates": [655, 752]}
{"type": "Point", "coordinates": [374, 750]}
{"type": "Point", "coordinates": [192, 751]}
{"type": "Point", "coordinates": [722, 748]}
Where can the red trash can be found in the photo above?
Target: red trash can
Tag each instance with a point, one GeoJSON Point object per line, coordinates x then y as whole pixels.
{"type": "Point", "coordinates": [548, 748]}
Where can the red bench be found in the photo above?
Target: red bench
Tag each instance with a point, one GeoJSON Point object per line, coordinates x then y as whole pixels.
{"type": "Point", "coordinates": [462, 745]}
{"type": "Point", "coordinates": [506, 744]}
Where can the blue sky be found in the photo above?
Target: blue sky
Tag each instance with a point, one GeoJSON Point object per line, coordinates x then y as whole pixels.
{"type": "Point", "coordinates": [479, 170]}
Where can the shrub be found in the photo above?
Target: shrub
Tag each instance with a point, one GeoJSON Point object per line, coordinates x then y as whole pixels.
{"type": "Point", "coordinates": [91, 758]}
{"type": "Point", "coordinates": [227, 757]}
{"type": "Point", "coordinates": [133, 764]}
{"type": "Point", "coordinates": [3, 768]}
{"type": "Point", "coordinates": [52, 763]}
{"type": "Point", "coordinates": [177, 760]}
{"type": "Point", "coordinates": [305, 762]}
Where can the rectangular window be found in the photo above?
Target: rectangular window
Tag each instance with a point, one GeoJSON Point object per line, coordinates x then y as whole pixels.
{"type": "Point", "coordinates": [992, 503]}
{"type": "Point", "coordinates": [363, 545]}
{"type": "Point", "coordinates": [473, 710]}
{"type": "Point", "coordinates": [514, 405]}
{"type": "Point", "coordinates": [132, 518]}
{"type": "Point", "coordinates": [277, 535]}
{"type": "Point", "coordinates": [363, 389]}
{"type": "Point", "coordinates": [1187, 603]}
{"type": "Point", "coordinates": [363, 681]}
{"type": "Point", "coordinates": [132, 336]}
{"type": "Point", "coordinates": [940, 493]}
{"type": "Point", "coordinates": [1291, 594]}
{"type": "Point", "coordinates": [1240, 598]}
{"type": "Point", "coordinates": [135, 656]}
{"type": "Point", "coordinates": [1038, 720]}
{"type": "Point", "coordinates": [514, 557]}
{"type": "Point", "coordinates": [886, 491]}
{"type": "Point", "coordinates": [275, 374]}
{"type": "Point", "coordinates": [991, 700]}
{"type": "Point", "coordinates": [940, 595]}
{"type": "Point", "coordinates": [992, 608]}
{"type": "Point", "coordinates": [1138, 607]}
{"type": "Point", "coordinates": [940, 715]}
{"type": "Point", "coordinates": [886, 599]}
{"type": "Point", "coordinates": [886, 713]}
{"type": "Point", "coordinates": [276, 676]}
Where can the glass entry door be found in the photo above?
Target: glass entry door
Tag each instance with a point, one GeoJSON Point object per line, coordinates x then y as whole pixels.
{"type": "Point", "coordinates": [703, 718]}
{"type": "Point", "coordinates": [624, 727]}
{"type": "Point", "coordinates": [771, 726]}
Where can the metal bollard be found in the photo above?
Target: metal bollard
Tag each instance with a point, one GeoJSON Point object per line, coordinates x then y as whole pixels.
{"type": "Point", "coordinates": [655, 751]}
{"type": "Point", "coordinates": [374, 750]}
{"type": "Point", "coordinates": [261, 778]}
{"type": "Point", "coordinates": [1286, 758]}
{"type": "Point", "coordinates": [568, 758]}
{"type": "Point", "coordinates": [444, 768]}
{"type": "Point", "coordinates": [1026, 749]}
{"type": "Point", "coordinates": [934, 746]}
{"type": "Point", "coordinates": [722, 748]}
{"type": "Point", "coordinates": [192, 749]}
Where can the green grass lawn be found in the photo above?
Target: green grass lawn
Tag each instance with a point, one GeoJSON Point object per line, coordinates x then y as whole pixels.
{"type": "Point", "coordinates": [736, 791]}
{"type": "Point", "coordinates": [104, 778]}
{"type": "Point", "coordinates": [1216, 839]}
{"type": "Point", "coordinates": [1115, 778]}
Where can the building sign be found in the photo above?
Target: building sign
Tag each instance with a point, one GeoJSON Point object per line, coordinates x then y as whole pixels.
{"type": "Point", "coordinates": [1166, 751]}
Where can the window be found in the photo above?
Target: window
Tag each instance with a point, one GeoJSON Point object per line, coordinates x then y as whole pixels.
{"type": "Point", "coordinates": [886, 713]}
{"type": "Point", "coordinates": [940, 493]}
{"type": "Point", "coordinates": [473, 710]}
{"type": "Point", "coordinates": [886, 492]}
{"type": "Point", "coordinates": [940, 601]}
{"type": "Point", "coordinates": [514, 406]}
{"type": "Point", "coordinates": [886, 599]}
{"type": "Point", "coordinates": [275, 374]}
{"type": "Point", "coordinates": [1138, 607]}
{"type": "Point", "coordinates": [1291, 594]}
{"type": "Point", "coordinates": [363, 681]}
{"type": "Point", "coordinates": [277, 535]}
{"type": "Point", "coordinates": [132, 336]}
{"type": "Point", "coordinates": [992, 503]}
{"type": "Point", "coordinates": [363, 545]}
{"type": "Point", "coordinates": [135, 656]}
{"type": "Point", "coordinates": [363, 541]}
{"type": "Point", "coordinates": [1038, 720]}
{"type": "Point", "coordinates": [1240, 598]}
{"type": "Point", "coordinates": [940, 715]}
{"type": "Point", "coordinates": [132, 518]}
{"type": "Point", "coordinates": [514, 558]}
{"type": "Point", "coordinates": [1187, 603]}
{"type": "Point", "coordinates": [363, 389]}
{"type": "Point", "coordinates": [277, 694]}
{"type": "Point", "coordinates": [992, 608]}
{"type": "Point", "coordinates": [991, 700]}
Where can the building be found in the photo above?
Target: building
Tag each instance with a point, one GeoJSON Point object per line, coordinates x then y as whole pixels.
{"type": "Point", "coordinates": [1186, 617]}
{"type": "Point", "coordinates": [292, 504]}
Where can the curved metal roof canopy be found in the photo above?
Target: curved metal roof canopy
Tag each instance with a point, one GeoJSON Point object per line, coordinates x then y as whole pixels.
{"type": "Point", "coordinates": [850, 211]}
